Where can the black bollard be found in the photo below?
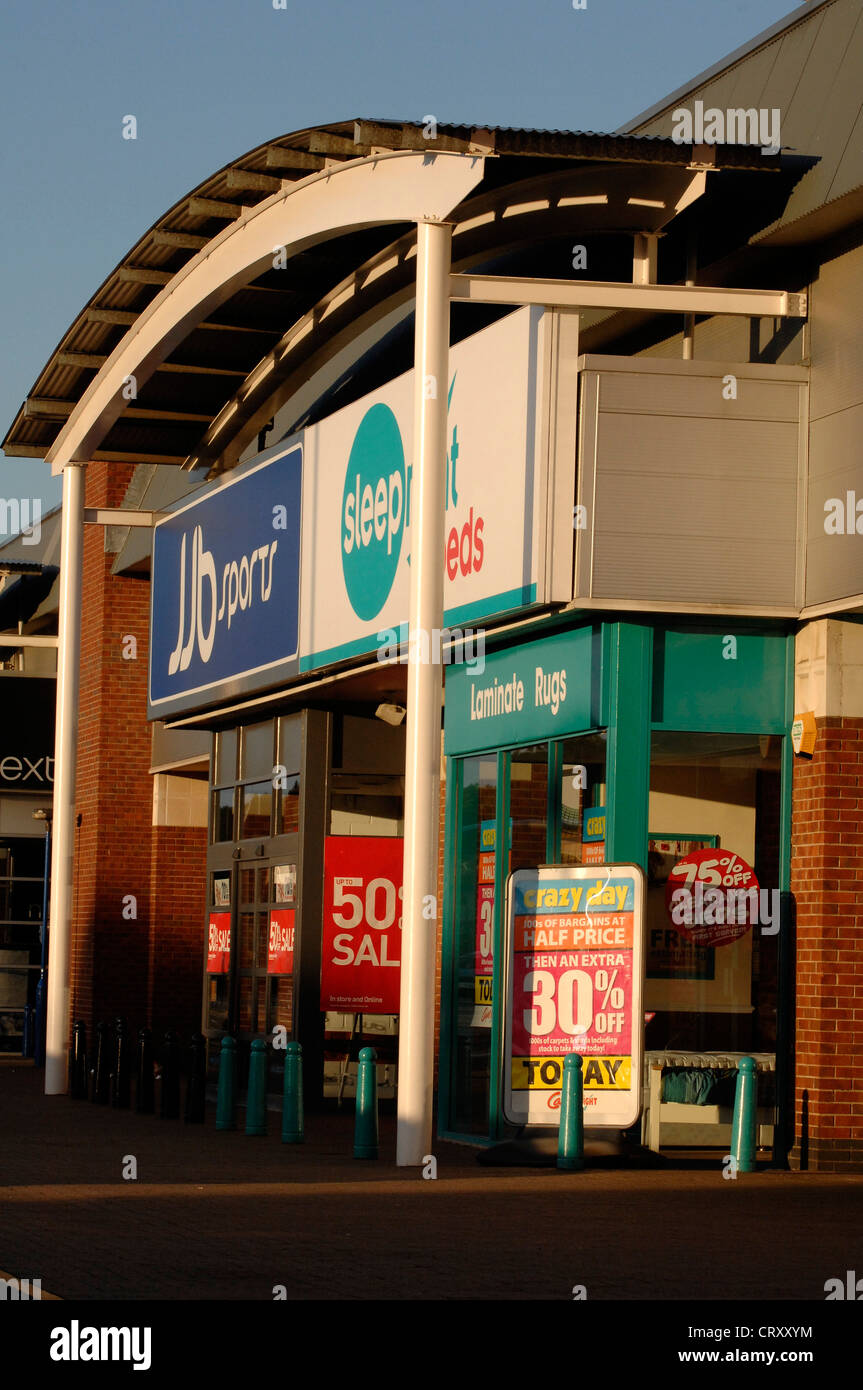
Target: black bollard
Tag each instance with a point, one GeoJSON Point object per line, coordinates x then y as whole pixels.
{"type": "Point", "coordinates": [145, 1098]}
{"type": "Point", "coordinates": [28, 1039]}
{"type": "Point", "coordinates": [102, 1068]}
{"type": "Point", "coordinates": [197, 1087]}
{"type": "Point", "coordinates": [121, 1069]}
{"type": "Point", "coordinates": [170, 1105]}
{"type": "Point", "coordinates": [79, 1061]}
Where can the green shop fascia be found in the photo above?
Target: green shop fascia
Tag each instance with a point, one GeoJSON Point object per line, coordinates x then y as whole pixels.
{"type": "Point", "coordinates": [680, 734]}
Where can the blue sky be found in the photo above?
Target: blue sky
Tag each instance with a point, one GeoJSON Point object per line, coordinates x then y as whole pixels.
{"type": "Point", "coordinates": [209, 79]}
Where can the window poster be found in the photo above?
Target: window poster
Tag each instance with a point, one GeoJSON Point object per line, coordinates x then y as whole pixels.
{"type": "Point", "coordinates": [285, 883]}
{"type": "Point", "coordinates": [222, 890]}
{"type": "Point", "coordinates": [693, 966]}
{"type": "Point", "coordinates": [574, 984]}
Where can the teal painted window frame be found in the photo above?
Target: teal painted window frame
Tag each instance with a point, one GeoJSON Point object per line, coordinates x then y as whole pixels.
{"type": "Point", "coordinates": [624, 707]}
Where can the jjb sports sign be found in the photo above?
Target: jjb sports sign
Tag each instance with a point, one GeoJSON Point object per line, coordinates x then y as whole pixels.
{"type": "Point", "coordinates": [225, 590]}
{"type": "Point", "coordinates": [302, 559]}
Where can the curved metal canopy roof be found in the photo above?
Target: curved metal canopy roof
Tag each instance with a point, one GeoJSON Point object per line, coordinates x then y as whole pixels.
{"type": "Point", "coordinates": [275, 333]}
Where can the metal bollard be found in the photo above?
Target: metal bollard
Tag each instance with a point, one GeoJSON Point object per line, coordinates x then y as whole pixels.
{"type": "Point", "coordinates": [121, 1091]}
{"type": "Point", "coordinates": [145, 1090]}
{"type": "Point", "coordinates": [745, 1116]}
{"type": "Point", "coordinates": [28, 1041]}
{"type": "Point", "coordinates": [366, 1122]}
{"type": "Point", "coordinates": [196, 1090]}
{"type": "Point", "coordinates": [256, 1096]}
{"type": "Point", "coordinates": [225, 1118]}
{"type": "Point", "coordinates": [570, 1139]}
{"type": "Point", "coordinates": [41, 1018]}
{"type": "Point", "coordinates": [292, 1100]}
{"type": "Point", "coordinates": [79, 1061]}
{"type": "Point", "coordinates": [102, 1066]}
{"type": "Point", "coordinates": [170, 1103]}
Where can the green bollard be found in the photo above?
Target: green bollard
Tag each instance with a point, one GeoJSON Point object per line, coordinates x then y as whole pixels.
{"type": "Point", "coordinates": [366, 1123]}
{"type": "Point", "coordinates": [745, 1116]}
{"type": "Point", "coordinates": [256, 1096]}
{"type": "Point", "coordinates": [570, 1140]}
{"type": "Point", "coordinates": [225, 1118]}
{"type": "Point", "coordinates": [292, 1102]}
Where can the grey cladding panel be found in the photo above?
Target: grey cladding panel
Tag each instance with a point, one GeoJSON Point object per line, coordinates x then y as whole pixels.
{"type": "Point", "coordinates": [837, 339]}
{"type": "Point", "coordinates": [690, 499]}
{"type": "Point", "coordinates": [689, 569]}
{"type": "Point", "coordinates": [834, 563]}
{"type": "Point", "coordinates": [638, 393]}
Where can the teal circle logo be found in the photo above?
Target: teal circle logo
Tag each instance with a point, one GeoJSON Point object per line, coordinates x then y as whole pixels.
{"type": "Point", "coordinates": [373, 511]}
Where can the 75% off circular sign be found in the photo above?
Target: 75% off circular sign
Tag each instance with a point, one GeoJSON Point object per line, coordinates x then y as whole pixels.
{"type": "Point", "coordinates": [708, 894]}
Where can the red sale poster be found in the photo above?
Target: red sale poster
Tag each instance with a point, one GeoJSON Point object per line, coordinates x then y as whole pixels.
{"type": "Point", "coordinates": [484, 918]}
{"type": "Point", "coordinates": [280, 950]}
{"type": "Point", "coordinates": [576, 967]}
{"type": "Point", "coordinates": [713, 895]}
{"type": "Point", "coordinates": [219, 943]}
{"type": "Point", "coordinates": [361, 952]}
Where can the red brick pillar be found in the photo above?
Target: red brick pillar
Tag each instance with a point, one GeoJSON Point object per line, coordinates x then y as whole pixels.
{"type": "Point", "coordinates": [827, 882]}
{"type": "Point", "coordinates": [178, 897]}
{"type": "Point", "coordinates": [111, 944]}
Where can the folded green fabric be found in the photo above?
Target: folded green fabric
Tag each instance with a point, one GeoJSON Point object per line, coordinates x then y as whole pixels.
{"type": "Point", "coordinates": [706, 1086]}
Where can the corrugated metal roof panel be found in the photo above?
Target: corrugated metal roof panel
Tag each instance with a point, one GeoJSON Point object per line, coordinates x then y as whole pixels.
{"type": "Point", "coordinates": [811, 69]}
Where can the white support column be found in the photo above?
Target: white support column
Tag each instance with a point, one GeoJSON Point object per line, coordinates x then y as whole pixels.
{"type": "Point", "coordinates": [65, 751]}
{"type": "Point", "coordinates": [423, 729]}
{"type": "Point", "coordinates": [689, 319]}
{"type": "Point", "coordinates": [645, 254]}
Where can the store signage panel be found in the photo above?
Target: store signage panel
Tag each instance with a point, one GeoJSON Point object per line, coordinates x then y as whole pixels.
{"type": "Point", "coordinates": [27, 706]}
{"type": "Point", "coordinates": [536, 691]}
{"type": "Point", "coordinates": [281, 941]}
{"type": "Point", "coordinates": [225, 588]}
{"type": "Point", "coordinates": [361, 948]}
{"type": "Point", "coordinates": [575, 970]}
{"type": "Point", "coordinates": [358, 503]}
{"type": "Point", "coordinates": [218, 943]}
{"type": "Point", "coordinates": [484, 947]}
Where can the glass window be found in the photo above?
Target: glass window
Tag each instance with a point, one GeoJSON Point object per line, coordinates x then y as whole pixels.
{"type": "Point", "coordinates": [256, 803]}
{"type": "Point", "coordinates": [22, 860]}
{"type": "Point", "coordinates": [528, 805]}
{"type": "Point", "coordinates": [257, 756]}
{"type": "Point", "coordinates": [288, 815]}
{"type": "Point", "coordinates": [291, 741]}
{"type": "Point", "coordinates": [223, 814]}
{"type": "Point", "coordinates": [226, 757]}
{"type": "Point", "coordinates": [217, 1006]}
{"type": "Point", "coordinates": [581, 789]}
{"type": "Point", "coordinates": [473, 944]}
{"type": "Point", "coordinates": [713, 892]}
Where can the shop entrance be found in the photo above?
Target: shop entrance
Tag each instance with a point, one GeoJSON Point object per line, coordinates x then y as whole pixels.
{"type": "Point", "coordinates": [285, 794]}
{"type": "Point", "coordinates": [251, 942]}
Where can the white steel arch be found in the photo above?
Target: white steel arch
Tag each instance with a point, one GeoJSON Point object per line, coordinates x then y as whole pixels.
{"type": "Point", "coordinates": [391, 187]}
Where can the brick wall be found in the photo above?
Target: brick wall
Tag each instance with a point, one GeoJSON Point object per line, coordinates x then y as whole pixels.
{"type": "Point", "coordinates": [827, 882]}
{"type": "Point", "coordinates": [178, 888]}
{"type": "Point", "coordinates": [136, 958]}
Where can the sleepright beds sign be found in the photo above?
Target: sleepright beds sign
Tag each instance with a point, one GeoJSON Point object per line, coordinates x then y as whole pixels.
{"type": "Point", "coordinates": [508, 493]}
{"type": "Point", "coordinates": [225, 589]}
{"type": "Point", "coordinates": [575, 967]}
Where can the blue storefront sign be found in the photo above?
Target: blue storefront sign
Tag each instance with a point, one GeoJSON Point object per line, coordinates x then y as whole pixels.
{"type": "Point", "coordinates": [225, 590]}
